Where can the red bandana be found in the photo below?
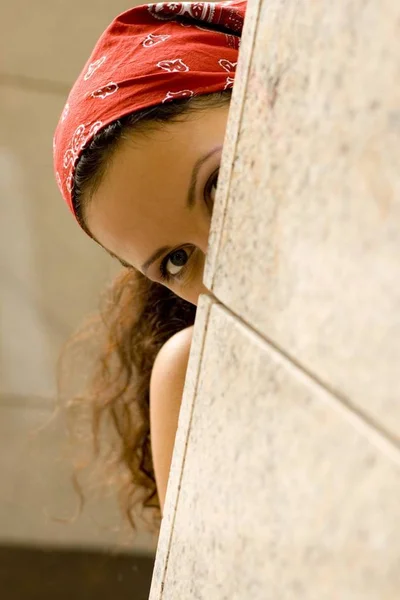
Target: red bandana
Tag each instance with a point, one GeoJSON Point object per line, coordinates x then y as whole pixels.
{"type": "Point", "coordinates": [149, 55]}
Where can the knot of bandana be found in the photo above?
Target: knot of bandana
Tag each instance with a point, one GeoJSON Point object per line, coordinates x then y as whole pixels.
{"type": "Point", "coordinates": [149, 55]}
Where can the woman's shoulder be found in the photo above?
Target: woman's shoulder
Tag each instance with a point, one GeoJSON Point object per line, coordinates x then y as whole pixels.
{"type": "Point", "coordinates": [166, 389]}
{"type": "Point", "coordinates": [169, 369]}
{"type": "Point", "coordinates": [178, 346]}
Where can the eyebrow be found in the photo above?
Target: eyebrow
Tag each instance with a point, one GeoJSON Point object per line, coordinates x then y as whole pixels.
{"type": "Point", "coordinates": [190, 202]}
{"type": "Point", "coordinates": [120, 260]}
{"type": "Point", "coordinates": [191, 197]}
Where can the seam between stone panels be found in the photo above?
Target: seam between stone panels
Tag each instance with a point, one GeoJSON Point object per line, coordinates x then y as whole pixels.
{"type": "Point", "coordinates": [341, 399]}
{"type": "Point", "coordinates": [235, 144]}
{"type": "Point", "coordinates": [34, 84]}
{"type": "Point", "coordinates": [13, 401]}
{"type": "Point", "coordinates": [213, 301]}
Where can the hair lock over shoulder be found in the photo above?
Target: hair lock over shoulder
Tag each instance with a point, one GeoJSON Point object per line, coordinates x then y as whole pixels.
{"type": "Point", "coordinates": [138, 316]}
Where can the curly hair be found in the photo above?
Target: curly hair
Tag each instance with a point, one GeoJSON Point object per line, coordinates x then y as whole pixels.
{"type": "Point", "coordinates": [137, 318]}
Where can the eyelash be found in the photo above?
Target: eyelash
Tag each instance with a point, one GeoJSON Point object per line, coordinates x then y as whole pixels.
{"type": "Point", "coordinates": [213, 180]}
{"type": "Point", "coordinates": [164, 275]}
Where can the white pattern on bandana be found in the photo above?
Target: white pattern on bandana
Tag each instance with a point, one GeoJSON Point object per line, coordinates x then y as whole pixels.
{"type": "Point", "coordinates": [59, 182]}
{"type": "Point", "coordinates": [68, 182]}
{"type": "Point", "coordinates": [177, 95]}
{"type": "Point", "coordinates": [65, 113]}
{"type": "Point", "coordinates": [105, 91]}
{"type": "Point", "coordinates": [153, 40]}
{"type": "Point", "coordinates": [79, 140]}
{"type": "Point", "coordinates": [173, 66]}
{"type": "Point", "coordinates": [94, 129]}
{"type": "Point", "coordinates": [166, 11]}
{"type": "Point", "coordinates": [92, 68]}
{"type": "Point", "coordinates": [227, 65]}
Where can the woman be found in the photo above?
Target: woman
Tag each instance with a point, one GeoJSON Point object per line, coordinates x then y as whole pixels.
{"type": "Point", "coordinates": [136, 153]}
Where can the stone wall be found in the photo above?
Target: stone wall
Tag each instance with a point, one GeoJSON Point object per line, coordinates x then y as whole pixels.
{"type": "Point", "coordinates": [285, 482]}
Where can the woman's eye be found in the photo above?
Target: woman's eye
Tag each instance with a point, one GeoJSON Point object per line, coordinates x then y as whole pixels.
{"type": "Point", "coordinates": [211, 190]}
{"type": "Point", "coordinates": [176, 261]}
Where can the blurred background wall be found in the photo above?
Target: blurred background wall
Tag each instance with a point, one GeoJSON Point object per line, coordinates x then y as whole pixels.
{"type": "Point", "coordinates": [50, 278]}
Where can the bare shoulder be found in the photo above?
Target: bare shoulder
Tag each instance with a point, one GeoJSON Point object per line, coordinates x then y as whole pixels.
{"type": "Point", "coordinates": [175, 351]}
{"type": "Point", "coordinates": [166, 389]}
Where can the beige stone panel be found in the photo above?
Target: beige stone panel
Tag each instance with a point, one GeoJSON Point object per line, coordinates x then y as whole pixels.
{"type": "Point", "coordinates": [180, 447]}
{"type": "Point", "coordinates": [36, 492]}
{"type": "Point", "coordinates": [309, 253]}
{"type": "Point", "coordinates": [51, 273]}
{"type": "Point", "coordinates": [231, 136]}
{"type": "Point", "coordinates": [51, 40]}
{"type": "Point", "coordinates": [285, 493]}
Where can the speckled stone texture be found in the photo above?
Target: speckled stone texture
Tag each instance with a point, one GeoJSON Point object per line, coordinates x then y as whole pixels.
{"type": "Point", "coordinates": [285, 483]}
{"type": "Point", "coordinates": [181, 440]}
{"type": "Point", "coordinates": [285, 494]}
{"type": "Point", "coordinates": [309, 251]}
{"type": "Point", "coordinates": [231, 136]}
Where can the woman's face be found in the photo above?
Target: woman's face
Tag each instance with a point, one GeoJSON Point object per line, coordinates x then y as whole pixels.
{"type": "Point", "coordinates": [153, 207]}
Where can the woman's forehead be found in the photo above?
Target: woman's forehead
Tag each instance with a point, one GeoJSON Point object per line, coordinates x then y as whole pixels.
{"type": "Point", "coordinates": [160, 160]}
{"type": "Point", "coordinates": [145, 188]}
